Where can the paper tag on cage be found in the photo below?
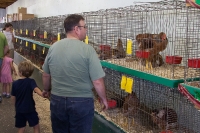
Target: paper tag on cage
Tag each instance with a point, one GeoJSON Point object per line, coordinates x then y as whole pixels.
{"type": "Point", "coordinates": [26, 32]}
{"type": "Point", "coordinates": [20, 31]}
{"type": "Point", "coordinates": [58, 37]}
{"type": "Point", "coordinates": [43, 50]}
{"type": "Point", "coordinates": [45, 34]}
{"type": "Point", "coordinates": [16, 39]}
{"type": "Point", "coordinates": [129, 47]}
{"type": "Point", "coordinates": [129, 85]}
{"type": "Point", "coordinates": [86, 40]}
{"type": "Point", "coordinates": [34, 32]}
{"type": "Point", "coordinates": [26, 44]}
{"type": "Point", "coordinates": [34, 46]}
{"type": "Point", "coordinates": [123, 82]}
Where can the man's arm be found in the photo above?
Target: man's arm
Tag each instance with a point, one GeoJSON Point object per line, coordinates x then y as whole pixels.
{"type": "Point", "coordinates": [100, 89]}
{"type": "Point", "coordinates": [46, 81]}
{"type": "Point", "coordinates": [47, 85]}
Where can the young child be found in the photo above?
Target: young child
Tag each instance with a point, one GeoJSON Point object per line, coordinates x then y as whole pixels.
{"type": "Point", "coordinates": [6, 74]}
{"type": "Point", "coordinates": [22, 95]}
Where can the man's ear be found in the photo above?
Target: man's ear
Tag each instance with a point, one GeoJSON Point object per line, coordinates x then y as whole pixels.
{"type": "Point", "coordinates": [76, 28]}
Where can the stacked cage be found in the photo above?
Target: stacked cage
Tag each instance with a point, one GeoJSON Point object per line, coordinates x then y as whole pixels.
{"type": "Point", "coordinates": [191, 87]}
{"type": "Point", "coordinates": [157, 38]}
{"type": "Point", "coordinates": [153, 107]}
{"type": "Point", "coordinates": [156, 32]}
{"type": "Point", "coordinates": [150, 108]}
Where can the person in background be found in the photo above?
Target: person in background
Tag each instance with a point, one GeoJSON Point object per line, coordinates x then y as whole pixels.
{"type": "Point", "coordinates": [3, 51]}
{"type": "Point", "coordinates": [73, 68]}
{"type": "Point", "coordinates": [6, 74]}
{"type": "Point", "coordinates": [8, 32]}
{"type": "Point", "coordinates": [22, 96]}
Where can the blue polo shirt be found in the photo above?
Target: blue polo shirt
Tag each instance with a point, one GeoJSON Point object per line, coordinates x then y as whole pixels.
{"type": "Point", "coordinates": [23, 89]}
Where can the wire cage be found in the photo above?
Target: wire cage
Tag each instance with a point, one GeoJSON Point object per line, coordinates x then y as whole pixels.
{"type": "Point", "coordinates": [42, 54]}
{"type": "Point", "coordinates": [149, 37]}
{"type": "Point", "coordinates": [151, 107]}
{"type": "Point", "coordinates": [94, 21]}
{"type": "Point", "coordinates": [31, 27]}
{"type": "Point", "coordinates": [16, 25]}
{"type": "Point", "coordinates": [60, 27]}
{"type": "Point", "coordinates": [193, 50]}
{"type": "Point", "coordinates": [57, 31]}
{"type": "Point", "coordinates": [48, 31]}
{"type": "Point", "coordinates": [27, 49]}
{"type": "Point", "coordinates": [156, 38]}
{"type": "Point", "coordinates": [17, 45]}
{"type": "Point", "coordinates": [191, 87]}
{"type": "Point", "coordinates": [54, 27]}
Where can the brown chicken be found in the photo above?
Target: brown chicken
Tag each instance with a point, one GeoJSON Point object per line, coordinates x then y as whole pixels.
{"type": "Point", "coordinates": [113, 53]}
{"type": "Point", "coordinates": [131, 104]}
{"type": "Point", "coordinates": [165, 118]}
{"type": "Point", "coordinates": [145, 41]}
{"type": "Point", "coordinates": [119, 51]}
{"type": "Point", "coordinates": [104, 54]}
{"type": "Point", "coordinates": [155, 60]}
{"type": "Point", "coordinates": [153, 43]}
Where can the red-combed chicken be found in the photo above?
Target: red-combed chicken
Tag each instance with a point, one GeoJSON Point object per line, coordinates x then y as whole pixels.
{"type": "Point", "coordinates": [153, 43]}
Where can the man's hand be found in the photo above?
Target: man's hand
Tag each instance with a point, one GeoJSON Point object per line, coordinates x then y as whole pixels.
{"type": "Point", "coordinates": [105, 105]}
{"type": "Point", "coordinates": [46, 94]}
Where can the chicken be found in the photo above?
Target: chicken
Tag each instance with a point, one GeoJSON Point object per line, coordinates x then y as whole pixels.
{"type": "Point", "coordinates": [119, 51]}
{"type": "Point", "coordinates": [131, 104]}
{"type": "Point", "coordinates": [165, 118]}
{"type": "Point", "coordinates": [51, 38]}
{"type": "Point", "coordinates": [155, 61]}
{"type": "Point", "coordinates": [144, 41]}
{"type": "Point", "coordinates": [112, 53]}
{"type": "Point", "coordinates": [104, 52]}
{"type": "Point", "coordinates": [153, 43]}
{"type": "Point", "coordinates": [37, 33]}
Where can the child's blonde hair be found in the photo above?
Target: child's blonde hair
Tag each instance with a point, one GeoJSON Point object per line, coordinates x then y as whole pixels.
{"type": "Point", "coordinates": [26, 68]}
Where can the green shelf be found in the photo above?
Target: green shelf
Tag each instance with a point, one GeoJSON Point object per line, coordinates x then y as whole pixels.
{"type": "Point", "coordinates": [101, 125]}
{"type": "Point", "coordinates": [194, 91]}
{"type": "Point", "coordinates": [160, 80]}
{"type": "Point", "coordinates": [35, 42]}
{"type": "Point", "coordinates": [198, 2]}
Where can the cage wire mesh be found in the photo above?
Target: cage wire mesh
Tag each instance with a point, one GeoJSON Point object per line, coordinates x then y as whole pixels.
{"type": "Point", "coordinates": [193, 49]}
{"type": "Point", "coordinates": [151, 107]}
{"type": "Point", "coordinates": [34, 30]}
{"type": "Point", "coordinates": [108, 32]}
{"type": "Point", "coordinates": [165, 58]}
{"type": "Point", "coordinates": [94, 21]}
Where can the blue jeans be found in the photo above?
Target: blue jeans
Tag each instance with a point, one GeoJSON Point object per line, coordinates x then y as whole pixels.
{"type": "Point", "coordinates": [71, 114]}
